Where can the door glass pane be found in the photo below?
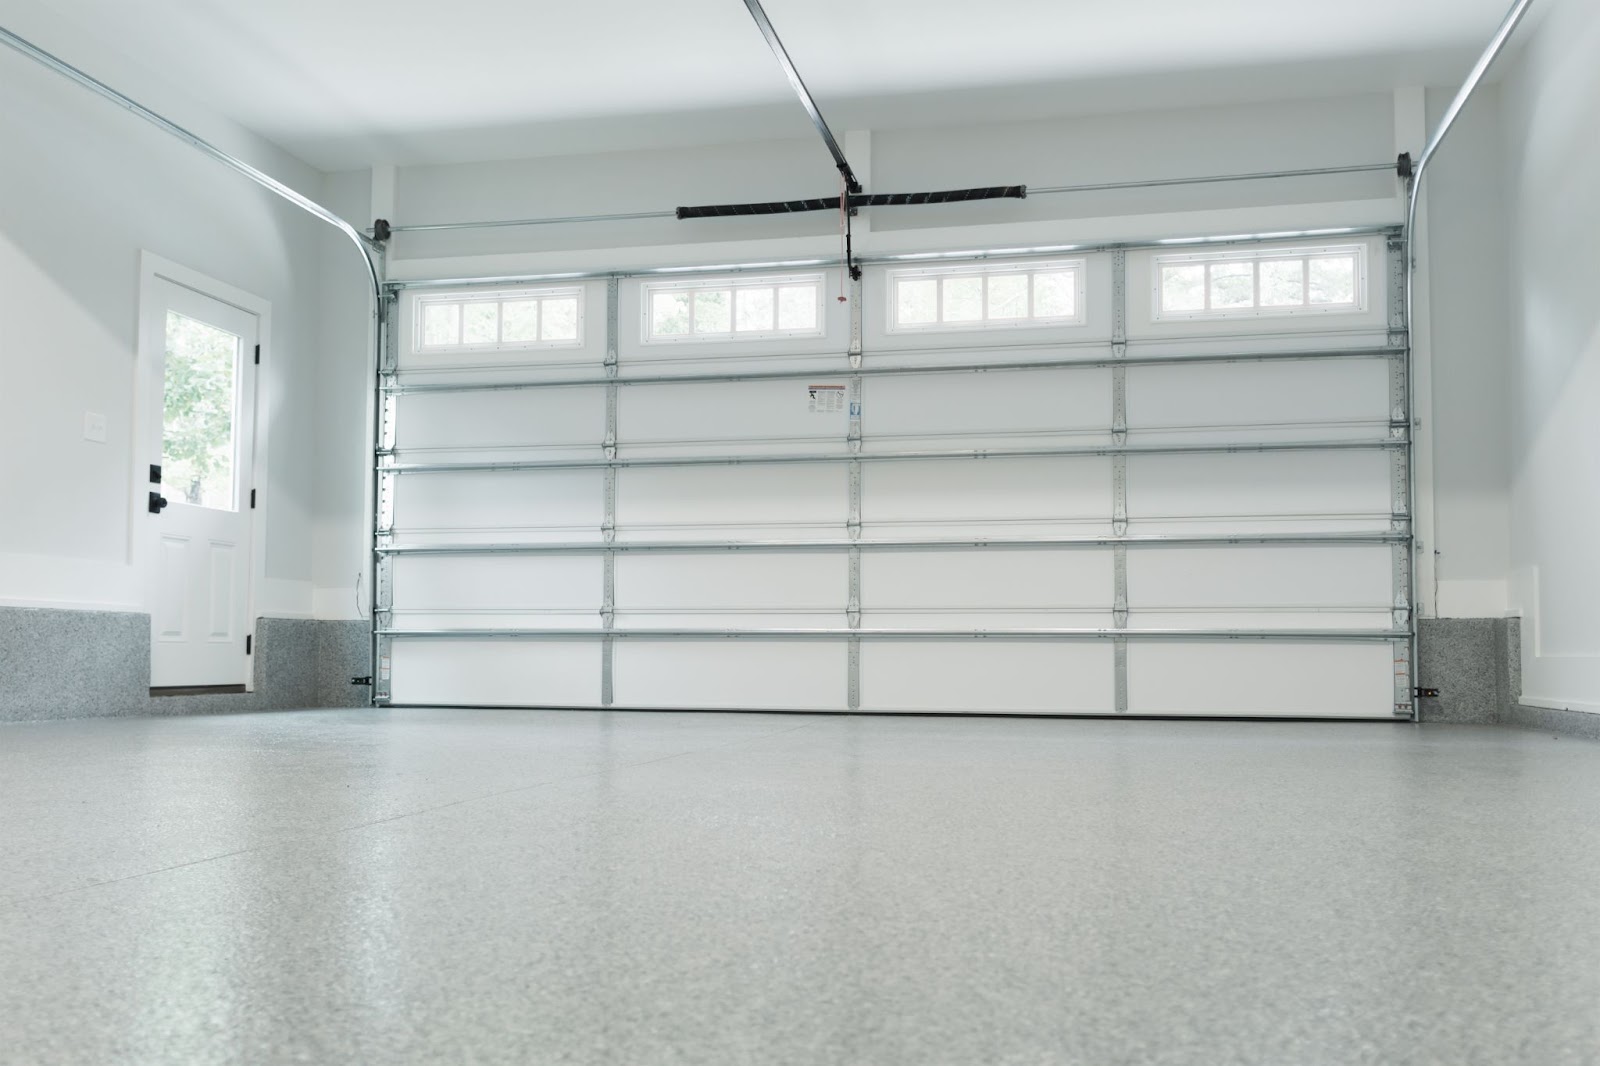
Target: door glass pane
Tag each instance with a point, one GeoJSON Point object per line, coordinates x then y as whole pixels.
{"type": "Point", "coordinates": [441, 324]}
{"type": "Point", "coordinates": [1055, 295]}
{"type": "Point", "coordinates": [669, 314]}
{"type": "Point", "coordinates": [1283, 283]}
{"type": "Point", "coordinates": [1183, 288]}
{"type": "Point", "coordinates": [480, 323]}
{"type": "Point", "coordinates": [1008, 296]}
{"type": "Point", "coordinates": [713, 311]}
{"type": "Point", "coordinates": [519, 321]}
{"type": "Point", "coordinates": [963, 299]}
{"type": "Point", "coordinates": [916, 301]}
{"type": "Point", "coordinates": [559, 319]}
{"type": "Point", "coordinates": [797, 307]}
{"type": "Point", "coordinates": [1333, 280]}
{"type": "Point", "coordinates": [201, 392]}
{"type": "Point", "coordinates": [1233, 285]}
{"type": "Point", "coordinates": [753, 309]}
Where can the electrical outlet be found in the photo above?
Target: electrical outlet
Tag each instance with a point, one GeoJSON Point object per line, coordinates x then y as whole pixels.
{"type": "Point", "coordinates": [94, 427]}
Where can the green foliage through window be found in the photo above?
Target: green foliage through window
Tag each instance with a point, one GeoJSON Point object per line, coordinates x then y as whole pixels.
{"type": "Point", "coordinates": [197, 446]}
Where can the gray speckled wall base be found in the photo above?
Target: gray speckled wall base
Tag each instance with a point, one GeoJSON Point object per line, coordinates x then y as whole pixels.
{"type": "Point", "coordinates": [1474, 663]}
{"type": "Point", "coordinates": [96, 664]}
{"type": "Point", "coordinates": [72, 664]}
{"type": "Point", "coordinates": [344, 650]}
{"type": "Point", "coordinates": [1554, 720]}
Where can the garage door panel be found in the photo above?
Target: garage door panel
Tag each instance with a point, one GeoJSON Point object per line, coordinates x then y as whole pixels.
{"type": "Point", "coordinates": [496, 673]}
{"type": "Point", "coordinates": [513, 424]}
{"type": "Point", "coordinates": [909, 581]}
{"type": "Point", "coordinates": [1238, 576]}
{"type": "Point", "coordinates": [1340, 400]}
{"type": "Point", "coordinates": [730, 675]}
{"type": "Point", "coordinates": [733, 501]}
{"type": "Point", "coordinates": [973, 410]}
{"type": "Point", "coordinates": [507, 507]}
{"type": "Point", "coordinates": [741, 417]}
{"type": "Point", "coordinates": [1332, 681]}
{"type": "Point", "coordinates": [1259, 492]}
{"type": "Point", "coordinates": [1012, 497]}
{"type": "Point", "coordinates": [979, 677]}
{"type": "Point", "coordinates": [701, 583]}
{"type": "Point", "coordinates": [498, 581]}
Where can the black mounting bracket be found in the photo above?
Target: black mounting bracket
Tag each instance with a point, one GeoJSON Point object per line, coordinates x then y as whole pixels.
{"type": "Point", "coordinates": [361, 680]}
{"type": "Point", "coordinates": [1426, 693]}
{"type": "Point", "coordinates": [381, 230]}
{"type": "Point", "coordinates": [1403, 166]}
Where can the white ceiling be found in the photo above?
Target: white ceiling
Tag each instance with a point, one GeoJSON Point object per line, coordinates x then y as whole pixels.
{"type": "Point", "coordinates": [344, 83]}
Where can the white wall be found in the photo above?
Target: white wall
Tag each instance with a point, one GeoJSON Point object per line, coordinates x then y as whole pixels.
{"type": "Point", "coordinates": [84, 187]}
{"type": "Point", "coordinates": [343, 383]}
{"type": "Point", "coordinates": [1468, 327]}
{"type": "Point", "coordinates": [1552, 113]}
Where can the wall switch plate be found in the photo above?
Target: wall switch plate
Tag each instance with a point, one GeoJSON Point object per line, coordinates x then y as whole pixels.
{"type": "Point", "coordinates": [94, 427]}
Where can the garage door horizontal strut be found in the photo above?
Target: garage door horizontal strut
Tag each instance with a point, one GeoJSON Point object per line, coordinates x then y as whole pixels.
{"type": "Point", "coordinates": [1192, 636]}
{"type": "Point", "coordinates": [694, 547]}
{"type": "Point", "coordinates": [899, 371]}
{"type": "Point", "coordinates": [1087, 450]}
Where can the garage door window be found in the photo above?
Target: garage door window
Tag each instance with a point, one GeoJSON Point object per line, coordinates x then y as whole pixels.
{"type": "Point", "coordinates": [1290, 281]}
{"type": "Point", "coordinates": [725, 309]}
{"type": "Point", "coordinates": [972, 298]}
{"type": "Point", "coordinates": [500, 321]}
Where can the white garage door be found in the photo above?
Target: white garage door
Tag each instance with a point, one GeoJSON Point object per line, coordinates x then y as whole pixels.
{"type": "Point", "coordinates": [1155, 480]}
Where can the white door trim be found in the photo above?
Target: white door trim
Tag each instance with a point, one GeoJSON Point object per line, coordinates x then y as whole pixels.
{"type": "Point", "coordinates": [154, 268]}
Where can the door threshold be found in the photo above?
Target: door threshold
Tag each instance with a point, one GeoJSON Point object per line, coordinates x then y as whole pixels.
{"type": "Point", "coordinates": [198, 690]}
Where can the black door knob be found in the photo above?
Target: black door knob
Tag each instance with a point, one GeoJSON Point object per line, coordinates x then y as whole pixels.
{"type": "Point", "coordinates": [157, 502]}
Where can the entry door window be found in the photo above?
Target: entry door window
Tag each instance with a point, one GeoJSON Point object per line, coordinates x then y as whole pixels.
{"type": "Point", "coordinates": [199, 437]}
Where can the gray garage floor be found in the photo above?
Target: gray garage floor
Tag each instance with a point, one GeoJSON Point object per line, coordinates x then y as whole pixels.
{"type": "Point", "coordinates": [521, 887]}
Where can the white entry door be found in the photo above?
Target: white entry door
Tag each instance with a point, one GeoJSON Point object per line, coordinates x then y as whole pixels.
{"type": "Point", "coordinates": [198, 443]}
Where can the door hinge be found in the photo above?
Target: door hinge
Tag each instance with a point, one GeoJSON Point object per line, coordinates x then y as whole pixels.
{"type": "Point", "coordinates": [258, 355]}
{"type": "Point", "coordinates": [252, 499]}
{"type": "Point", "coordinates": [249, 643]}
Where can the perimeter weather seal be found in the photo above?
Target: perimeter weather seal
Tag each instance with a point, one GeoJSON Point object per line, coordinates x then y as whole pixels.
{"type": "Point", "coordinates": [857, 200]}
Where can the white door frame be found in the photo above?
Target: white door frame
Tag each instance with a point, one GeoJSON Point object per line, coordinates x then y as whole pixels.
{"type": "Point", "coordinates": [152, 269]}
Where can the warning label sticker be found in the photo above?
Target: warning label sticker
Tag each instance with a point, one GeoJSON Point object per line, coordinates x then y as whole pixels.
{"type": "Point", "coordinates": [826, 399]}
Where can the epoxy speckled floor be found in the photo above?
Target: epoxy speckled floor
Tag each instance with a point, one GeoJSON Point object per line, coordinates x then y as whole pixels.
{"type": "Point", "coordinates": [537, 888]}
